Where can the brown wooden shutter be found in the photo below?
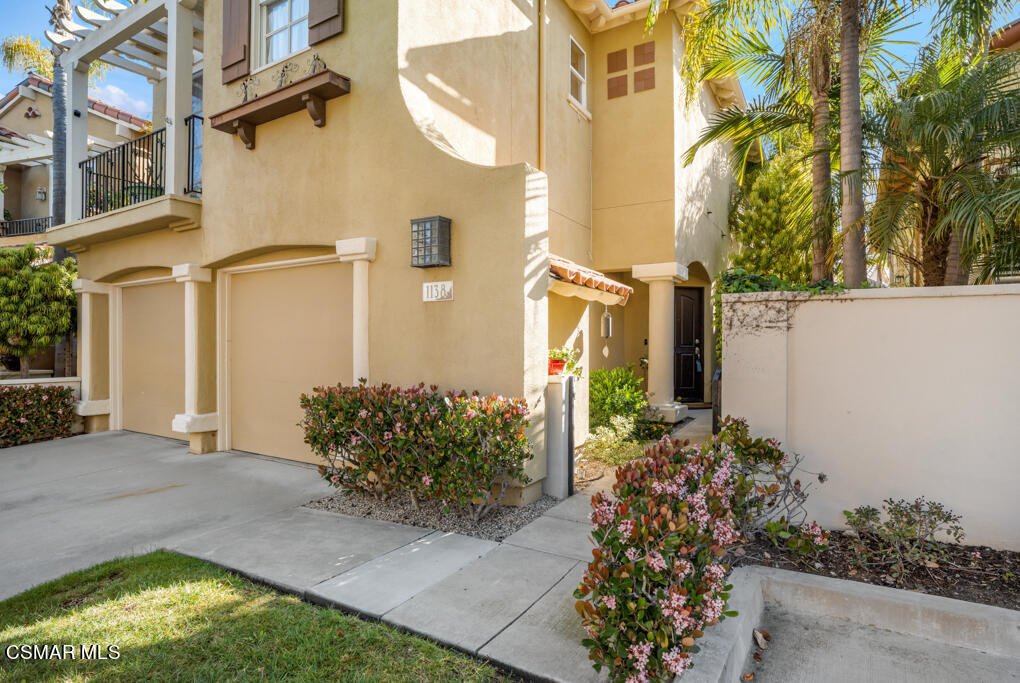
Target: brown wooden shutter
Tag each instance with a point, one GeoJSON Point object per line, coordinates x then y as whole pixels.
{"type": "Point", "coordinates": [325, 20]}
{"type": "Point", "coordinates": [236, 39]}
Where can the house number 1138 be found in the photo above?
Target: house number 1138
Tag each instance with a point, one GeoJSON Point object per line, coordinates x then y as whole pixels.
{"type": "Point", "coordinates": [437, 291]}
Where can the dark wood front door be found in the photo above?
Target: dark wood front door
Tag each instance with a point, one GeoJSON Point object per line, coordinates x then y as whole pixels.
{"type": "Point", "coordinates": [689, 344]}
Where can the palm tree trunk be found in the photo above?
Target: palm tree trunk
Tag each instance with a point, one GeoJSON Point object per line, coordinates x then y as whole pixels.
{"type": "Point", "coordinates": [821, 166]}
{"type": "Point", "coordinates": [850, 137]}
{"type": "Point", "coordinates": [25, 367]}
{"type": "Point", "coordinates": [934, 250]}
{"type": "Point", "coordinates": [956, 271]}
{"type": "Point", "coordinates": [59, 189]}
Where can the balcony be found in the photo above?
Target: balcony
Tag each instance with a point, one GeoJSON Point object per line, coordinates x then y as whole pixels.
{"type": "Point", "coordinates": [25, 226]}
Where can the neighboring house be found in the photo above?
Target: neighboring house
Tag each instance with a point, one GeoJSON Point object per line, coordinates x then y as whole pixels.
{"type": "Point", "coordinates": [26, 155]}
{"type": "Point", "coordinates": [548, 132]}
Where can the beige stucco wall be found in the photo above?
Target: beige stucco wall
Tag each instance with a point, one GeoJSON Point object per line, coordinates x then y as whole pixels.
{"type": "Point", "coordinates": [12, 197]}
{"type": "Point", "coordinates": [892, 393]}
{"type": "Point", "coordinates": [153, 357]}
{"type": "Point", "coordinates": [32, 178]}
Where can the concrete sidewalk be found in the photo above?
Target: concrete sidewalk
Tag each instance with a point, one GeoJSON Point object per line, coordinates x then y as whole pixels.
{"type": "Point", "coordinates": [509, 602]}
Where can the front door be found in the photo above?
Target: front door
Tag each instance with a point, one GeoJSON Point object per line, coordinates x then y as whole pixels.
{"type": "Point", "coordinates": [689, 344]}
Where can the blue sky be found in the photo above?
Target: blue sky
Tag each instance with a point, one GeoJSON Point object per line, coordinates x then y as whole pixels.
{"type": "Point", "coordinates": [119, 88]}
{"type": "Point", "coordinates": [132, 93]}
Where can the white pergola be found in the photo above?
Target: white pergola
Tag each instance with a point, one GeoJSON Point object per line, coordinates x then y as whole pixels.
{"type": "Point", "coordinates": [158, 39]}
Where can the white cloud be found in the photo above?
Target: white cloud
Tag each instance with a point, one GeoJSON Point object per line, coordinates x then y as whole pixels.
{"type": "Point", "coordinates": [118, 97]}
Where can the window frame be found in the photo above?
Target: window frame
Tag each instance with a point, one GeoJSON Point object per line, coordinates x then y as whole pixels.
{"type": "Point", "coordinates": [583, 102]}
{"type": "Point", "coordinates": [259, 34]}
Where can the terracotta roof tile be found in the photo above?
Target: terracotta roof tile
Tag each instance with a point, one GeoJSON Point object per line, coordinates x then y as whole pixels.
{"type": "Point", "coordinates": [95, 105]}
{"type": "Point", "coordinates": [568, 271]}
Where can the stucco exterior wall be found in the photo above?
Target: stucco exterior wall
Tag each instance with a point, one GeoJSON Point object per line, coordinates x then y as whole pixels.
{"type": "Point", "coordinates": [32, 178]}
{"type": "Point", "coordinates": [569, 325]}
{"type": "Point", "coordinates": [12, 197]}
{"type": "Point", "coordinates": [891, 393]}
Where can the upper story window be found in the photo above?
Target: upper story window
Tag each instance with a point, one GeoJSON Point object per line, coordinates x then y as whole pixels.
{"type": "Point", "coordinates": [578, 75]}
{"type": "Point", "coordinates": [282, 29]}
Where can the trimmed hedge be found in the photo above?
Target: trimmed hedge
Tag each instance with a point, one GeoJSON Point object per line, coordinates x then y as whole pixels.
{"type": "Point", "coordinates": [462, 450]}
{"type": "Point", "coordinates": [35, 413]}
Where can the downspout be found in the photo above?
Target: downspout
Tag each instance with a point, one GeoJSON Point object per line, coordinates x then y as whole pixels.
{"type": "Point", "coordinates": [541, 85]}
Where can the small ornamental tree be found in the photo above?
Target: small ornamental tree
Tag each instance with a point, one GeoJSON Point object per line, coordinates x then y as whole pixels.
{"type": "Point", "coordinates": [36, 301]}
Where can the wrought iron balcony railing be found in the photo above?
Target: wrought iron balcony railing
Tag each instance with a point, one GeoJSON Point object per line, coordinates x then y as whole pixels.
{"type": "Point", "coordinates": [127, 174]}
{"type": "Point", "coordinates": [194, 123]}
{"type": "Point", "coordinates": [25, 226]}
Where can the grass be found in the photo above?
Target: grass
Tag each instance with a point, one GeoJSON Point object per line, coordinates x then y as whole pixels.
{"type": "Point", "coordinates": [177, 618]}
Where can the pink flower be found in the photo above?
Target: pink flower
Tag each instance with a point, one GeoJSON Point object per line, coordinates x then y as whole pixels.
{"type": "Point", "coordinates": [609, 601]}
{"type": "Point", "coordinates": [976, 555]}
{"type": "Point", "coordinates": [427, 480]}
{"type": "Point", "coordinates": [355, 440]}
{"type": "Point", "coordinates": [362, 413]}
{"type": "Point", "coordinates": [656, 562]}
{"type": "Point", "coordinates": [335, 479]}
{"type": "Point", "coordinates": [676, 661]}
{"type": "Point", "coordinates": [399, 427]}
{"type": "Point", "coordinates": [387, 436]}
{"type": "Point", "coordinates": [632, 554]}
{"type": "Point", "coordinates": [639, 652]}
{"type": "Point", "coordinates": [626, 527]}
{"type": "Point", "coordinates": [471, 413]}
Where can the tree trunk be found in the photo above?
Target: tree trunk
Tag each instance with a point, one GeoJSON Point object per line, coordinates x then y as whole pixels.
{"type": "Point", "coordinates": [956, 271]}
{"type": "Point", "coordinates": [59, 189]}
{"type": "Point", "coordinates": [26, 367]}
{"type": "Point", "coordinates": [933, 250]}
{"type": "Point", "coordinates": [821, 167]}
{"type": "Point", "coordinates": [855, 271]}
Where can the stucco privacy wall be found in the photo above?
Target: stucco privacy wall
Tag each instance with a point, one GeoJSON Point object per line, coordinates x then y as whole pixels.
{"type": "Point", "coordinates": [891, 393]}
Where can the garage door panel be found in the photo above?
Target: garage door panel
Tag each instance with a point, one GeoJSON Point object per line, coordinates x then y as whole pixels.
{"type": "Point", "coordinates": [153, 357]}
{"type": "Point", "coordinates": [289, 331]}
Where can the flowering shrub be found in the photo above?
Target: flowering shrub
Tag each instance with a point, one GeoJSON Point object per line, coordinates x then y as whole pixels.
{"type": "Point", "coordinates": [460, 449]}
{"type": "Point", "coordinates": [656, 580]}
{"type": "Point", "coordinates": [35, 413]}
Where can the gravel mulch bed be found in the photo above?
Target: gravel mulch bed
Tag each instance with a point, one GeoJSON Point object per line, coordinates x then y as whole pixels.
{"type": "Point", "coordinates": [991, 579]}
{"type": "Point", "coordinates": [496, 526]}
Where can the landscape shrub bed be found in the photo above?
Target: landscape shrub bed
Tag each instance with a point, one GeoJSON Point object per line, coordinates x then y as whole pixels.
{"type": "Point", "coordinates": [35, 413]}
{"type": "Point", "coordinates": [664, 536]}
{"type": "Point", "coordinates": [464, 450]}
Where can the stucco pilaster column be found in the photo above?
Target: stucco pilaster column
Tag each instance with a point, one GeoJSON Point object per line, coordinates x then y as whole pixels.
{"type": "Point", "coordinates": [3, 169]}
{"type": "Point", "coordinates": [199, 420]}
{"type": "Point", "coordinates": [77, 73]}
{"type": "Point", "coordinates": [180, 31]}
{"type": "Point", "coordinates": [94, 353]}
{"type": "Point", "coordinates": [360, 252]}
{"type": "Point", "coordinates": [661, 279]}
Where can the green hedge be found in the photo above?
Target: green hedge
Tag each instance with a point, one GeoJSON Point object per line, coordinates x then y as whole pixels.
{"type": "Point", "coordinates": [35, 413]}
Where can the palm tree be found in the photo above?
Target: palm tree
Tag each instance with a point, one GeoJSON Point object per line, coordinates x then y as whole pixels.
{"type": "Point", "coordinates": [950, 163]}
{"type": "Point", "coordinates": [851, 153]}
{"type": "Point", "coordinates": [61, 10]}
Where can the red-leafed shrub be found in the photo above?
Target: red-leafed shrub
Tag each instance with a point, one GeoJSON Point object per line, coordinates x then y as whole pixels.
{"type": "Point", "coordinates": [460, 449]}
{"type": "Point", "coordinates": [35, 413]}
{"type": "Point", "coordinates": [656, 581]}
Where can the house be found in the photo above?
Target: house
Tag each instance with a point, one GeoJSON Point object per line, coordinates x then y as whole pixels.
{"type": "Point", "coordinates": [340, 144]}
{"type": "Point", "coordinates": [26, 154]}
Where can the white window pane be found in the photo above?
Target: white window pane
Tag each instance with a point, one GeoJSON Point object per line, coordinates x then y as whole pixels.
{"type": "Point", "coordinates": [577, 59]}
{"type": "Point", "coordinates": [576, 88]}
{"type": "Point", "coordinates": [299, 36]}
{"type": "Point", "coordinates": [298, 9]}
{"type": "Point", "coordinates": [276, 16]}
{"type": "Point", "coordinates": [276, 46]}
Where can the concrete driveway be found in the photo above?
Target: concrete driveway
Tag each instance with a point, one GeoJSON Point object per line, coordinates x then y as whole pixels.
{"type": "Point", "coordinates": [69, 504]}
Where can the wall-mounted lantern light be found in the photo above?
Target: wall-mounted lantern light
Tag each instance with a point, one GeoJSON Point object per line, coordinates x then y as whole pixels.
{"type": "Point", "coordinates": [430, 242]}
{"type": "Point", "coordinates": [40, 194]}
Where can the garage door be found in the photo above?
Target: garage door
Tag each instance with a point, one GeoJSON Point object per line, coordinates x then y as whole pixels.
{"type": "Point", "coordinates": [289, 331]}
{"type": "Point", "coordinates": [153, 353]}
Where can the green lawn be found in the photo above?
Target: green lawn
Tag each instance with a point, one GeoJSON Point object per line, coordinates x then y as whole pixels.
{"type": "Point", "coordinates": [175, 617]}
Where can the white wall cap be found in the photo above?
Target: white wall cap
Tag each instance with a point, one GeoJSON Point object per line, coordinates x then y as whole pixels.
{"type": "Point", "coordinates": [650, 272]}
{"type": "Point", "coordinates": [83, 286]}
{"type": "Point", "coordinates": [356, 249]}
{"type": "Point", "coordinates": [191, 272]}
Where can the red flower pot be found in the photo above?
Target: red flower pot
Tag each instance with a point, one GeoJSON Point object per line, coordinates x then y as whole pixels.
{"type": "Point", "coordinates": [556, 366]}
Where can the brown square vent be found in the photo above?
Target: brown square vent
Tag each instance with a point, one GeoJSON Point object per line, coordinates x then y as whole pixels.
{"type": "Point", "coordinates": [644, 54]}
{"type": "Point", "coordinates": [617, 86]}
{"type": "Point", "coordinates": [616, 61]}
{"type": "Point", "coordinates": [644, 80]}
